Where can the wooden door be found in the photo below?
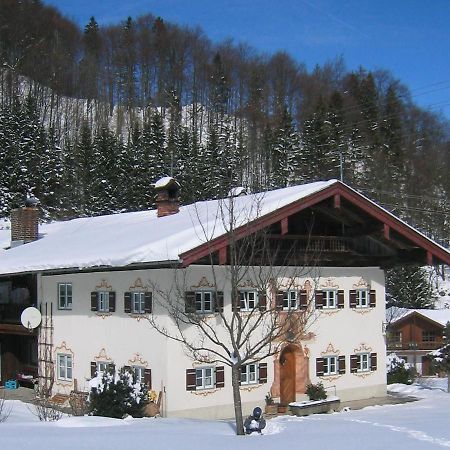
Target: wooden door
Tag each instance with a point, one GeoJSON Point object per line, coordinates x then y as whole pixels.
{"type": "Point", "coordinates": [287, 375]}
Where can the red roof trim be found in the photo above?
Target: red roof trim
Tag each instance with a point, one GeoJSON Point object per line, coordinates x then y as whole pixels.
{"type": "Point", "coordinates": [416, 314]}
{"type": "Point", "coordinates": [337, 189]}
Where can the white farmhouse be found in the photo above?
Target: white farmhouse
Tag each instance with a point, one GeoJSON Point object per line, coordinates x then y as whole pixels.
{"type": "Point", "coordinates": [100, 282]}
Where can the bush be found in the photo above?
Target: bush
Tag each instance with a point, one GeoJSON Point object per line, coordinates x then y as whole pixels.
{"type": "Point", "coordinates": [316, 391]}
{"type": "Point", "coordinates": [117, 396]}
{"type": "Point", "coordinates": [398, 371]}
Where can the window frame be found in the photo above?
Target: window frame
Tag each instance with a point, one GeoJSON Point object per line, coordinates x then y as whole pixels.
{"type": "Point", "coordinates": [63, 297]}
{"type": "Point", "coordinates": [63, 363]}
{"type": "Point", "coordinates": [203, 377]}
{"type": "Point", "coordinates": [363, 362]}
{"type": "Point", "coordinates": [429, 336]}
{"type": "Point", "coordinates": [141, 377]}
{"type": "Point", "coordinates": [328, 362]}
{"type": "Point", "coordinates": [289, 303]}
{"type": "Point", "coordinates": [103, 301]}
{"type": "Point", "coordinates": [245, 302]}
{"type": "Point", "coordinates": [99, 364]}
{"type": "Point", "coordinates": [141, 301]}
{"type": "Point", "coordinates": [247, 372]}
{"type": "Point", "coordinates": [359, 298]}
{"type": "Point", "coordinates": [326, 298]}
{"type": "Point", "coordinates": [202, 301]}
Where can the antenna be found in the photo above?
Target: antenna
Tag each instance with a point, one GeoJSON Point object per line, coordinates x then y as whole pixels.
{"type": "Point", "coordinates": [30, 318]}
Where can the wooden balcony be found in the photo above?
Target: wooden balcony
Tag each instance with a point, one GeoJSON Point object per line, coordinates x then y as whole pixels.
{"type": "Point", "coordinates": [10, 314]}
{"type": "Point", "coordinates": [396, 345]}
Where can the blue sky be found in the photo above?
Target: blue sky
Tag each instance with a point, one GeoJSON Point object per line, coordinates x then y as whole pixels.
{"type": "Point", "coordinates": [410, 38]}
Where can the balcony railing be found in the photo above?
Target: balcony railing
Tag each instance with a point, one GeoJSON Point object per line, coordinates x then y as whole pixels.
{"type": "Point", "coordinates": [396, 345]}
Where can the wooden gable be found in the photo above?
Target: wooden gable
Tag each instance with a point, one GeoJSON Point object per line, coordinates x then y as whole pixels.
{"type": "Point", "coordinates": [336, 226]}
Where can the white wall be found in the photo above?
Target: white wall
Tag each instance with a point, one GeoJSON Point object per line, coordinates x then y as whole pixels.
{"type": "Point", "coordinates": [122, 336]}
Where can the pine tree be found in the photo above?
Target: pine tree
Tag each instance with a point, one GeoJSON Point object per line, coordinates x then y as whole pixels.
{"type": "Point", "coordinates": [409, 287]}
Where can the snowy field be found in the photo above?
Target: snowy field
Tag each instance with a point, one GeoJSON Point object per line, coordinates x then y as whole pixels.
{"type": "Point", "coordinates": [424, 424]}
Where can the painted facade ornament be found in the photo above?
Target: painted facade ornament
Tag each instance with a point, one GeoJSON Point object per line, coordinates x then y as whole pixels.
{"type": "Point", "coordinates": [139, 285]}
{"type": "Point", "coordinates": [363, 348]}
{"type": "Point", "coordinates": [361, 284]}
{"type": "Point", "coordinates": [329, 283]}
{"type": "Point", "coordinates": [137, 360]}
{"type": "Point", "coordinates": [104, 286]}
{"type": "Point", "coordinates": [330, 350]}
{"type": "Point", "coordinates": [203, 283]}
{"type": "Point", "coordinates": [102, 356]}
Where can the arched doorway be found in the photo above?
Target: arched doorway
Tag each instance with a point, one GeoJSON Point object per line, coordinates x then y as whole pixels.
{"type": "Point", "coordinates": [287, 375]}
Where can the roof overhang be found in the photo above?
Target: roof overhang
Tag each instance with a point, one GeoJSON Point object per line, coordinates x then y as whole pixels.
{"type": "Point", "coordinates": [338, 196]}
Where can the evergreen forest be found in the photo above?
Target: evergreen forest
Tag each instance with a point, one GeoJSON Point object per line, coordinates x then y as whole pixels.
{"type": "Point", "coordinates": [91, 117]}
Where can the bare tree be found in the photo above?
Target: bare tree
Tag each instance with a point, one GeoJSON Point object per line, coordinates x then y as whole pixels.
{"type": "Point", "coordinates": [278, 310]}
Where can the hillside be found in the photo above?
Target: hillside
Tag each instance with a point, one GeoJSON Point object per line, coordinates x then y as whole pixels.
{"type": "Point", "coordinates": [90, 118]}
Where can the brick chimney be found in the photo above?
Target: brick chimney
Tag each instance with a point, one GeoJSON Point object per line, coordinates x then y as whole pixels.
{"type": "Point", "coordinates": [167, 196]}
{"type": "Point", "coordinates": [24, 222]}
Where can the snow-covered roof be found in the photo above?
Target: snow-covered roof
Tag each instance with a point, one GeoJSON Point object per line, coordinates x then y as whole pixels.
{"type": "Point", "coordinates": [441, 316]}
{"type": "Point", "coordinates": [165, 181]}
{"type": "Point", "coordinates": [118, 240]}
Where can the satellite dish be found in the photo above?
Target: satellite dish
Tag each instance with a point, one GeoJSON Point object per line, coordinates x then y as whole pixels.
{"type": "Point", "coordinates": [31, 318]}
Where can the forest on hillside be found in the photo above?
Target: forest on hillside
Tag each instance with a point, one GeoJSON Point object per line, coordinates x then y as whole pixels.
{"type": "Point", "coordinates": [90, 118]}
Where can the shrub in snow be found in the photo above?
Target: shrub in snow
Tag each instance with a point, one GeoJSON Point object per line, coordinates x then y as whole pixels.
{"type": "Point", "coordinates": [316, 391]}
{"type": "Point", "coordinates": [398, 371]}
{"type": "Point", "coordinates": [117, 395]}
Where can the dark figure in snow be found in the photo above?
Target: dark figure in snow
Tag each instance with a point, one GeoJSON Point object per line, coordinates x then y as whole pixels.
{"type": "Point", "coordinates": [255, 422]}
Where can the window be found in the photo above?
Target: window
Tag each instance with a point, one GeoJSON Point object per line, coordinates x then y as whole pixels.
{"type": "Point", "coordinates": [138, 302]}
{"type": "Point", "coordinates": [204, 301]}
{"type": "Point", "coordinates": [102, 367]}
{"type": "Point", "coordinates": [428, 336]}
{"type": "Point", "coordinates": [330, 365]}
{"type": "Point", "coordinates": [290, 300]}
{"type": "Point", "coordinates": [330, 297]}
{"type": "Point", "coordinates": [249, 300]}
{"type": "Point", "coordinates": [103, 301]}
{"type": "Point", "coordinates": [64, 367]}
{"type": "Point", "coordinates": [65, 295]}
{"type": "Point", "coordinates": [139, 374]}
{"type": "Point", "coordinates": [204, 378]}
{"type": "Point", "coordinates": [248, 374]}
{"type": "Point", "coordinates": [363, 362]}
{"type": "Point", "coordinates": [362, 298]}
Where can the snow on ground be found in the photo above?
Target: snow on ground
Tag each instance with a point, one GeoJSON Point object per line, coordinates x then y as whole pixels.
{"type": "Point", "coordinates": [419, 425]}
